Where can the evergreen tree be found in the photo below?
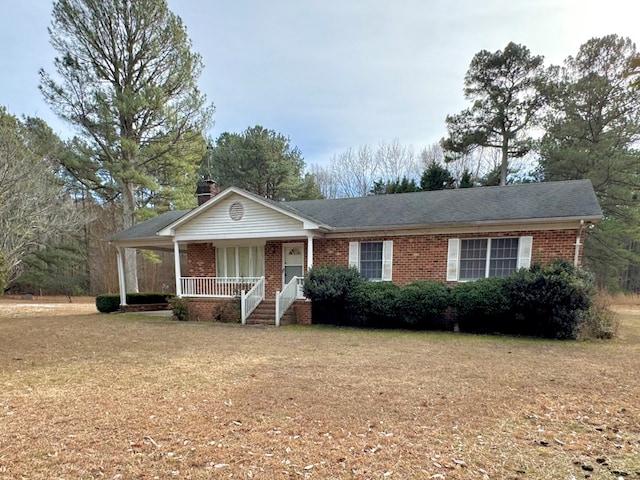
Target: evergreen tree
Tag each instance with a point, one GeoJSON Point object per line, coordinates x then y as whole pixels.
{"type": "Point", "coordinates": [592, 130]}
{"type": "Point", "coordinates": [466, 181]}
{"type": "Point", "coordinates": [436, 177]}
{"type": "Point", "coordinates": [380, 187]}
{"type": "Point", "coordinates": [260, 161]}
{"type": "Point", "coordinates": [503, 89]}
{"type": "Point", "coordinates": [126, 79]}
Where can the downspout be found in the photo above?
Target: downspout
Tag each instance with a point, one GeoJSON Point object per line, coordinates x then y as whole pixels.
{"type": "Point", "coordinates": [576, 255]}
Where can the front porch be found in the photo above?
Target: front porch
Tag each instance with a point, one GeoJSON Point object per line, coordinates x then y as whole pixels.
{"type": "Point", "coordinates": [251, 293]}
{"type": "Point", "coordinates": [235, 245]}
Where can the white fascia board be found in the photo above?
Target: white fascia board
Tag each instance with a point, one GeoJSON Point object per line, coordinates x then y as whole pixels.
{"type": "Point", "coordinates": [158, 243]}
{"type": "Point", "coordinates": [230, 236]}
{"type": "Point", "coordinates": [170, 230]}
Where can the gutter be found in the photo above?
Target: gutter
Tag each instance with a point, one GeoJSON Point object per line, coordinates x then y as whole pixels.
{"type": "Point", "coordinates": [481, 223]}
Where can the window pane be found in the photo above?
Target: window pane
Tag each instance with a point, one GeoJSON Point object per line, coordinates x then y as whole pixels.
{"type": "Point", "coordinates": [473, 259]}
{"type": "Point", "coordinates": [258, 261]}
{"type": "Point", "coordinates": [371, 260]}
{"type": "Point", "coordinates": [231, 262]}
{"type": "Point", "coordinates": [243, 262]}
{"type": "Point", "coordinates": [220, 262]}
{"type": "Point", "coordinates": [250, 261]}
{"type": "Point", "coordinates": [504, 257]}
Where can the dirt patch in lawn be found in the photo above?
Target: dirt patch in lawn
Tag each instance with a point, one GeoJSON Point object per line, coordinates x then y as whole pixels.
{"type": "Point", "coordinates": [17, 306]}
{"type": "Point", "coordinates": [129, 396]}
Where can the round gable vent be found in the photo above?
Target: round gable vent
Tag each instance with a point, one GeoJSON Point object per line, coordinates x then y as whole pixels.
{"type": "Point", "coordinates": [236, 211]}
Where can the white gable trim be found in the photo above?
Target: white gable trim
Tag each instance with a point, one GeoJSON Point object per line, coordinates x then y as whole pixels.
{"type": "Point", "coordinates": [170, 230]}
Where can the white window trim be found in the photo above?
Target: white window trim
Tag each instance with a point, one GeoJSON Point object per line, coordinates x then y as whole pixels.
{"type": "Point", "coordinates": [387, 258]}
{"type": "Point", "coordinates": [223, 263]}
{"type": "Point", "coordinates": [525, 245]}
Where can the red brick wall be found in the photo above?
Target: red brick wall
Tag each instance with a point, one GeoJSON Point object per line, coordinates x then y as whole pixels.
{"type": "Point", "coordinates": [201, 260]}
{"type": "Point", "coordinates": [422, 257]}
{"type": "Point", "coordinates": [302, 309]}
{"type": "Point", "coordinates": [272, 268]}
{"type": "Point", "coordinates": [202, 309]}
{"type": "Point", "coordinates": [273, 265]}
{"type": "Point", "coordinates": [415, 257]}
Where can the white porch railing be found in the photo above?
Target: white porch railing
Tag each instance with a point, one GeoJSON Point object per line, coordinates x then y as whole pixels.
{"type": "Point", "coordinates": [251, 299]}
{"type": "Point", "coordinates": [216, 286]}
{"type": "Point", "coordinates": [289, 294]}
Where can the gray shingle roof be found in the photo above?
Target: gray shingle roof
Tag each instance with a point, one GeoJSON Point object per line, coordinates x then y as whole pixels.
{"type": "Point", "coordinates": [574, 199]}
{"type": "Point", "coordinates": [522, 202]}
{"type": "Point", "coordinates": [149, 228]}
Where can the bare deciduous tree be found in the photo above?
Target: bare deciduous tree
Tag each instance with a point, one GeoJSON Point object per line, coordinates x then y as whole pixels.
{"type": "Point", "coordinates": [33, 207]}
{"type": "Point", "coordinates": [353, 172]}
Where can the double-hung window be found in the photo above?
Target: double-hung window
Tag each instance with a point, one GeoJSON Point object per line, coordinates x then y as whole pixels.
{"type": "Point", "coordinates": [471, 259]}
{"type": "Point", "coordinates": [240, 262]}
{"type": "Point", "coordinates": [372, 259]}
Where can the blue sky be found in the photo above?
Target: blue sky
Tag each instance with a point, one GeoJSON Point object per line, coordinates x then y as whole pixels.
{"type": "Point", "coordinates": [332, 74]}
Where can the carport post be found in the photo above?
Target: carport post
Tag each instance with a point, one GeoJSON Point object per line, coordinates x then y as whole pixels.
{"type": "Point", "coordinates": [121, 281]}
{"type": "Point", "coordinates": [176, 267]}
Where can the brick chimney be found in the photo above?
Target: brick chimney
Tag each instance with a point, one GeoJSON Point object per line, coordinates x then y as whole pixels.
{"type": "Point", "coordinates": [207, 189]}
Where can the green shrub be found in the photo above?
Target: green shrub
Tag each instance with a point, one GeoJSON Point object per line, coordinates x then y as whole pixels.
{"type": "Point", "coordinates": [481, 306]}
{"type": "Point", "coordinates": [549, 301]}
{"type": "Point", "coordinates": [374, 305]}
{"type": "Point", "coordinates": [180, 308]}
{"type": "Point", "coordinates": [147, 298]}
{"type": "Point", "coordinates": [423, 305]}
{"type": "Point", "coordinates": [108, 303]}
{"type": "Point", "coordinates": [328, 287]}
{"type": "Point", "coordinates": [330, 282]}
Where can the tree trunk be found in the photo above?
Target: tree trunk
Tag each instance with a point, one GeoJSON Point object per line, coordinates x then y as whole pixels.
{"type": "Point", "coordinates": [505, 160]}
{"type": "Point", "coordinates": [130, 258]}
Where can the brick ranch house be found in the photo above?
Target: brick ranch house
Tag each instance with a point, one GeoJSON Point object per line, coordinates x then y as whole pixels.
{"type": "Point", "coordinates": [237, 243]}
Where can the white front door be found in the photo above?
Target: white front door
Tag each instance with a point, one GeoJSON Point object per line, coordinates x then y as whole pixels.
{"type": "Point", "coordinates": [292, 261]}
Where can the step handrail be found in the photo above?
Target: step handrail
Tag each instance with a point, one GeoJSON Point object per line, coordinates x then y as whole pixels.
{"type": "Point", "coordinates": [285, 298]}
{"type": "Point", "coordinates": [251, 299]}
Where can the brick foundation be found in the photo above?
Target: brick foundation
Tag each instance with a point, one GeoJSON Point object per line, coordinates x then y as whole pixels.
{"type": "Point", "coordinates": [302, 310]}
{"type": "Point", "coordinates": [203, 309]}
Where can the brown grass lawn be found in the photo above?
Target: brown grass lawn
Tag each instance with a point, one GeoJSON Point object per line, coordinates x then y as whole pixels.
{"type": "Point", "coordinates": [85, 395]}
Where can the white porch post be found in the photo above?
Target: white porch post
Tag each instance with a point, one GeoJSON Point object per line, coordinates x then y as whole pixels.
{"type": "Point", "coordinates": [121, 281]}
{"type": "Point", "coordinates": [309, 252]}
{"type": "Point", "coordinates": [176, 268]}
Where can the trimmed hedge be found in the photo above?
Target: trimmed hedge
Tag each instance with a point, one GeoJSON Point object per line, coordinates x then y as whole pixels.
{"type": "Point", "coordinates": [341, 297]}
{"type": "Point", "coordinates": [481, 306]}
{"type": "Point", "coordinates": [108, 303]}
{"type": "Point", "coordinates": [146, 298]}
{"type": "Point", "coordinates": [328, 287]}
{"type": "Point", "coordinates": [111, 303]}
{"type": "Point", "coordinates": [374, 305]}
{"type": "Point", "coordinates": [552, 301]}
{"type": "Point", "coordinates": [423, 305]}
